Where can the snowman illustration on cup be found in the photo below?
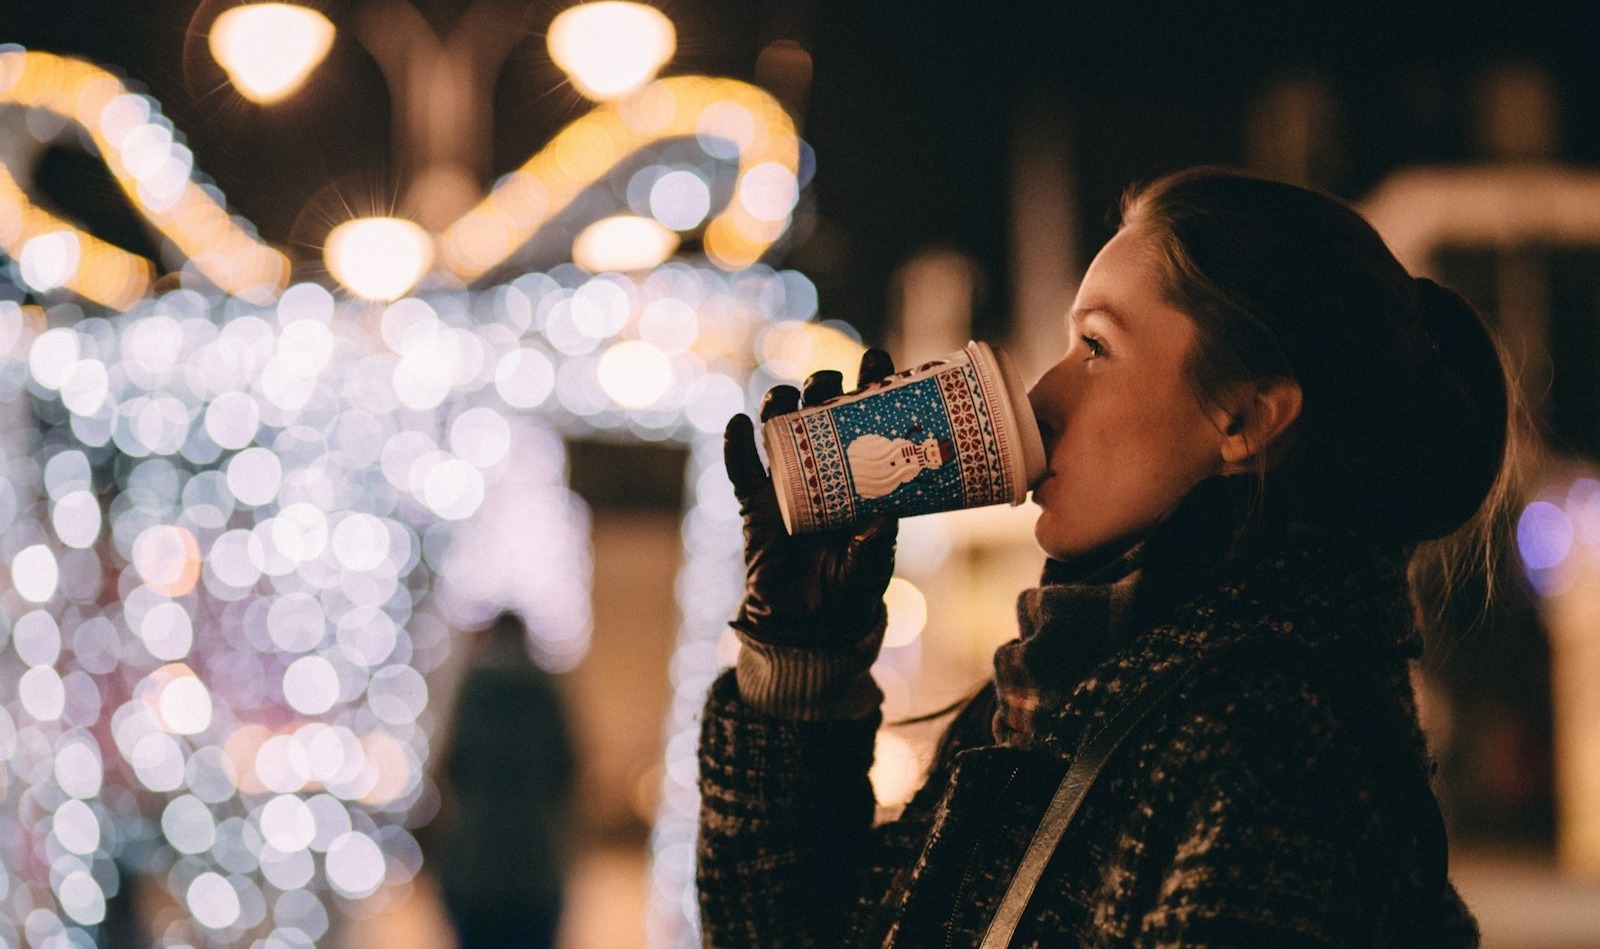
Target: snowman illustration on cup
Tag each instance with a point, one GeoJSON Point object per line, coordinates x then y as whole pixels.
{"type": "Point", "coordinates": [879, 465]}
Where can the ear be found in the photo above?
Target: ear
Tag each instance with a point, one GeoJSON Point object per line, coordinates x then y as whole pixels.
{"type": "Point", "coordinates": [1255, 419]}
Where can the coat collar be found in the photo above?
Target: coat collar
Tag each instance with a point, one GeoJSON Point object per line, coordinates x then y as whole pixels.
{"type": "Point", "coordinates": [1219, 570]}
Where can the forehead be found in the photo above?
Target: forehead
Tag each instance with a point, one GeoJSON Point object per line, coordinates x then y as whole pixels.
{"type": "Point", "coordinates": [1127, 262]}
{"type": "Point", "coordinates": [1125, 285]}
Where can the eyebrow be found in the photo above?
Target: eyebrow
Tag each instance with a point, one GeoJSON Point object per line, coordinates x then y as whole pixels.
{"type": "Point", "coordinates": [1112, 316]}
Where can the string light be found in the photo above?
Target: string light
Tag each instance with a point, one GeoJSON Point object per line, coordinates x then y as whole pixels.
{"type": "Point", "coordinates": [153, 169]}
{"type": "Point", "coordinates": [731, 119]}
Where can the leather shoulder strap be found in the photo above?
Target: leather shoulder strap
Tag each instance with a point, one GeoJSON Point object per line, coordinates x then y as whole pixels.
{"type": "Point", "coordinates": [1080, 776]}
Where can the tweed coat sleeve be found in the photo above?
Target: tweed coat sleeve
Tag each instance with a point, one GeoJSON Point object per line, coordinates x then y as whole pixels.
{"type": "Point", "coordinates": [785, 825]}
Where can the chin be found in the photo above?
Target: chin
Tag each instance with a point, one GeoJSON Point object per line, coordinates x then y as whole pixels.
{"type": "Point", "coordinates": [1049, 540]}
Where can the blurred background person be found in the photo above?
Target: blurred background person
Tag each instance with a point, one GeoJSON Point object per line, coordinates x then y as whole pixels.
{"type": "Point", "coordinates": [501, 843]}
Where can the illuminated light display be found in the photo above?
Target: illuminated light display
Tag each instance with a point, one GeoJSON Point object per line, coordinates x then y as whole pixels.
{"type": "Point", "coordinates": [153, 169]}
{"type": "Point", "coordinates": [731, 119]}
{"type": "Point", "coordinates": [268, 49]}
{"type": "Point", "coordinates": [1558, 540]}
{"type": "Point", "coordinates": [232, 522]}
{"type": "Point", "coordinates": [86, 265]}
{"type": "Point", "coordinates": [254, 616]}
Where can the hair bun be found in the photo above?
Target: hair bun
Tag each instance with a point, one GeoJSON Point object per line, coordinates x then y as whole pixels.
{"type": "Point", "coordinates": [1459, 410]}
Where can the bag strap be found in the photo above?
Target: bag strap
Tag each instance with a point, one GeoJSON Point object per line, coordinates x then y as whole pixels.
{"type": "Point", "coordinates": [1080, 777]}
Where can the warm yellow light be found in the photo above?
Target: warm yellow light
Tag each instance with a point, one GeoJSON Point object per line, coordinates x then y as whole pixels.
{"type": "Point", "coordinates": [585, 151]}
{"type": "Point", "coordinates": [379, 258]}
{"type": "Point", "coordinates": [896, 770]}
{"type": "Point", "coordinates": [609, 49]}
{"type": "Point", "coordinates": [121, 128]}
{"type": "Point", "coordinates": [908, 612]}
{"type": "Point", "coordinates": [268, 49]}
{"type": "Point", "coordinates": [794, 349]}
{"type": "Point", "coordinates": [623, 243]}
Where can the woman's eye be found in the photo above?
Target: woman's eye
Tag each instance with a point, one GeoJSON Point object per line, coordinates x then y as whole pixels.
{"type": "Point", "coordinates": [1095, 347]}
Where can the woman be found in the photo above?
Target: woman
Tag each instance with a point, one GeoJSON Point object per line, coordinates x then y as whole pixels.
{"type": "Point", "coordinates": [1259, 418]}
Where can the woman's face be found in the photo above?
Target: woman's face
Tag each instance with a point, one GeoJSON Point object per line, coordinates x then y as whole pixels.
{"type": "Point", "coordinates": [1124, 434]}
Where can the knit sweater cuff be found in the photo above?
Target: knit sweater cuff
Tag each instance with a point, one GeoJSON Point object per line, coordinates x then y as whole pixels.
{"type": "Point", "coordinates": [810, 683]}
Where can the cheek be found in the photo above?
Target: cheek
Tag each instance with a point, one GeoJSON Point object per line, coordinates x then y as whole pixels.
{"type": "Point", "coordinates": [1119, 468]}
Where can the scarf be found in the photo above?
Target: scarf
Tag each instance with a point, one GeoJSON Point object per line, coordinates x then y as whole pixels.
{"type": "Point", "coordinates": [1224, 552]}
{"type": "Point", "coordinates": [1083, 610]}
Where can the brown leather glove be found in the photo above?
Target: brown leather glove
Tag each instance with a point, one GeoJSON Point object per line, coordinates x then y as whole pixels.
{"type": "Point", "coordinates": [813, 589]}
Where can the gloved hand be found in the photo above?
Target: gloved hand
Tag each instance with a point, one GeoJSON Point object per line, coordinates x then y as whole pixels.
{"type": "Point", "coordinates": [813, 589]}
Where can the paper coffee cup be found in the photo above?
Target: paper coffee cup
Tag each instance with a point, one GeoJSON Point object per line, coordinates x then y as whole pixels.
{"type": "Point", "coordinates": [954, 433]}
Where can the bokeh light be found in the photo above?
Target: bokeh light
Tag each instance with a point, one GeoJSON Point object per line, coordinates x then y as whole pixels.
{"type": "Point", "coordinates": [268, 49]}
{"type": "Point", "coordinates": [379, 258]}
{"type": "Point", "coordinates": [271, 484]}
{"type": "Point", "coordinates": [623, 242]}
{"type": "Point", "coordinates": [680, 199]}
{"type": "Point", "coordinates": [908, 613]}
{"type": "Point", "coordinates": [610, 48]}
{"type": "Point", "coordinates": [1558, 535]}
{"type": "Point", "coordinates": [154, 169]}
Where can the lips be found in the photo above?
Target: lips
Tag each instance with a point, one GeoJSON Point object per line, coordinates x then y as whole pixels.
{"type": "Point", "coordinates": [1039, 487]}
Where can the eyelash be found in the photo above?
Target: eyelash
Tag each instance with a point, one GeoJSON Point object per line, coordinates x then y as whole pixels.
{"type": "Point", "coordinates": [1096, 348]}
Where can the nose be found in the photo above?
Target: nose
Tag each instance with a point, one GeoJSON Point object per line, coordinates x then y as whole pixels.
{"type": "Point", "coordinates": [1047, 399]}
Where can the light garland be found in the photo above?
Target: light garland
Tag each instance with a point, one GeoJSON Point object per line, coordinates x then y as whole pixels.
{"type": "Point", "coordinates": [153, 168]}
{"type": "Point", "coordinates": [731, 118]}
{"type": "Point", "coordinates": [288, 486]}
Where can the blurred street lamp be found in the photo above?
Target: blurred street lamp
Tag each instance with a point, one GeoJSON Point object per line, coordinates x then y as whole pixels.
{"type": "Point", "coordinates": [441, 92]}
{"type": "Point", "coordinates": [268, 49]}
{"type": "Point", "coordinates": [611, 48]}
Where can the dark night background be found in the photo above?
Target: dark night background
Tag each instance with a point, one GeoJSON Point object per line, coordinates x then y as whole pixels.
{"type": "Point", "coordinates": [909, 110]}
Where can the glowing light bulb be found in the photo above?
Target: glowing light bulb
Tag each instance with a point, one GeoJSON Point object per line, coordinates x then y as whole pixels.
{"type": "Point", "coordinates": [609, 49]}
{"type": "Point", "coordinates": [379, 258]}
{"type": "Point", "coordinates": [623, 242]}
{"type": "Point", "coordinates": [268, 49]}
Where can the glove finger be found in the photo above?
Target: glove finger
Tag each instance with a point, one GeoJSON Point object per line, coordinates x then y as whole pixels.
{"type": "Point", "coordinates": [874, 539]}
{"type": "Point", "coordinates": [821, 386]}
{"type": "Point", "coordinates": [740, 458]}
{"type": "Point", "coordinates": [869, 557]}
{"type": "Point", "coordinates": [876, 365]}
{"type": "Point", "coordinates": [779, 400]}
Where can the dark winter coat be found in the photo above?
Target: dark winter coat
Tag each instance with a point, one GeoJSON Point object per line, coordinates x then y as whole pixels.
{"type": "Point", "coordinates": [1279, 798]}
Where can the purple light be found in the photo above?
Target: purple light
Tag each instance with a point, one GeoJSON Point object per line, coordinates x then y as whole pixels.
{"type": "Point", "coordinates": [1544, 535]}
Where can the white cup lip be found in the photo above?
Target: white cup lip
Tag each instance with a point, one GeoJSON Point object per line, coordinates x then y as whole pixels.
{"type": "Point", "coordinates": [1025, 434]}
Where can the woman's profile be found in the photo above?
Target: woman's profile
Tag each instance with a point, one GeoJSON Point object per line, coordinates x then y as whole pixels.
{"type": "Point", "coordinates": [1204, 732]}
